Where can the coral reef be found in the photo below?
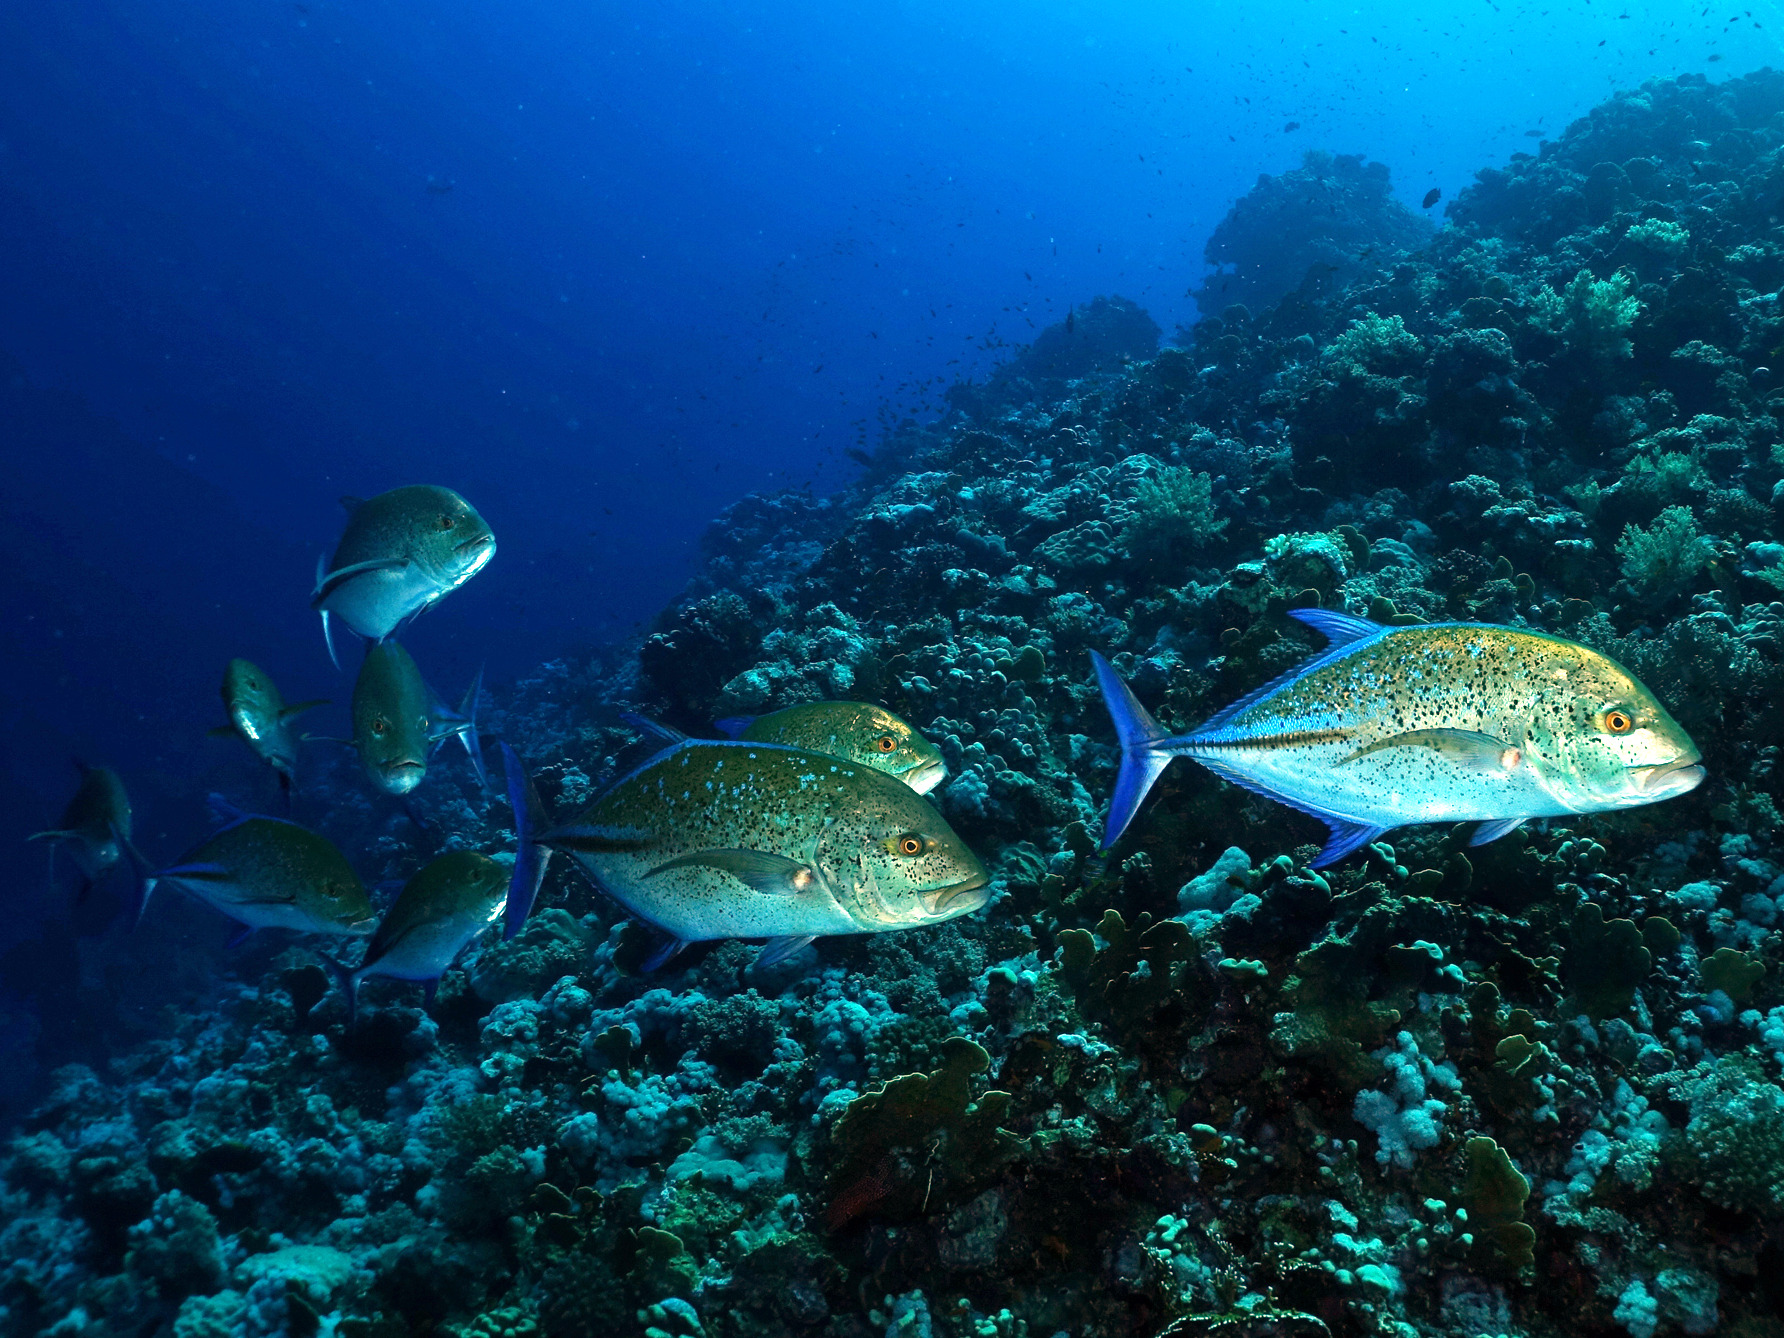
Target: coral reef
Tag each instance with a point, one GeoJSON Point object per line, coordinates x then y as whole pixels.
{"type": "Point", "coordinates": [1189, 1086]}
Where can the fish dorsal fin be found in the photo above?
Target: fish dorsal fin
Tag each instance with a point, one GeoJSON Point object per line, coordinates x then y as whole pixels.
{"type": "Point", "coordinates": [1343, 631]}
{"type": "Point", "coordinates": [1338, 628]}
{"type": "Point", "coordinates": [350, 503]}
{"type": "Point", "coordinates": [652, 729]}
{"type": "Point", "coordinates": [760, 870]}
{"type": "Point", "coordinates": [732, 726]}
{"type": "Point", "coordinates": [223, 812]}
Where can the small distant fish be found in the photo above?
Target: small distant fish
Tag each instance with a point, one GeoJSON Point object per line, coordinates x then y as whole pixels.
{"type": "Point", "coordinates": [722, 839]}
{"type": "Point", "coordinates": [265, 873]}
{"type": "Point", "coordinates": [398, 719]}
{"type": "Point", "coordinates": [1291, 127]}
{"type": "Point", "coordinates": [94, 828]}
{"type": "Point", "coordinates": [439, 185]}
{"type": "Point", "coordinates": [1533, 134]}
{"type": "Point", "coordinates": [402, 551]}
{"type": "Point", "coordinates": [441, 909]}
{"type": "Point", "coordinates": [259, 716]}
{"type": "Point", "coordinates": [854, 731]}
{"type": "Point", "coordinates": [1432, 196]}
{"type": "Point", "coordinates": [1438, 722]}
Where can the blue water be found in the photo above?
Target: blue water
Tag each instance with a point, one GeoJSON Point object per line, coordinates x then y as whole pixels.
{"type": "Point", "coordinates": [604, 269]}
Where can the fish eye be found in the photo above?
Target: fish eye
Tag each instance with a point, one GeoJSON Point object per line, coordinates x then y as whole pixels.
{"type": "Point", "coordinates": [380, 726]}
{"type": "Point", "coordinates": [910, 844]}
{"type": "Point", "coordinates": [885, 743]}
{"type": "Point", "coordinates": [447, 522]}
{"type": "Point", "coordinates": [1618, 721]}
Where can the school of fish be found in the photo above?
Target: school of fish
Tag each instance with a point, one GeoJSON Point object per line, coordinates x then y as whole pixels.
{"type": "Point", "coordinates": [811, 821]}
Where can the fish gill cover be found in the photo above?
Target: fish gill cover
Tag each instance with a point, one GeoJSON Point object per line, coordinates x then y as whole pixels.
{"type": "Point", "coordinates": [1192, 1087]}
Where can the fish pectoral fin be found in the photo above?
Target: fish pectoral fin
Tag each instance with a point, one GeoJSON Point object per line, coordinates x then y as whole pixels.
{"type": "Point", "coordinates": [1492, 831]}
{"type": "Point", "coordinates": [298, 708]}
{"type": "Point", "coordinates": [240, 936]}
{"type": "Point", "coordinates": [1345, 837]}
{"type": "Point", "coordinates": [51, 836]}
{"type": "Point", "coordinates": [332, 581]}
{"type": "Point", "coordinates": [732, 726]}
{"type": "Point", "coordinates": [779, 949]}
{"type": "Point", "coordinates": [761, 870]}
{"type": "Point", "coordinates": [350, 503]}
{"type": "Point", "coordinates": [1467, 748]}
{"type": "Point", "coordinates": [196, 873]}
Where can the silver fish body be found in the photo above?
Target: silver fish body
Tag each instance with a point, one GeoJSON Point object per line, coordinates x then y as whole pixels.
{"type": "Point", "coordinates": [402, 551]}
{"type": "Point", "coordinates": [1436, 722]}
{"type": "Point", "coordinates": [713, 839]}
{"type": "Point", "coordinates": [95, 825]}
{"type": "Point", "coordinates": [440, 910]}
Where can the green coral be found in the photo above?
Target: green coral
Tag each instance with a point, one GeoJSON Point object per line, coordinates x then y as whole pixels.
{"type": "Point", "coordinates": [919, 1141]}
{"type": "Point", "coordinates": [1379, 344]}
{"type": "Point", "coordinates": [1133, 977]}
{"type": "Point", "coordinates": [1736, 1135]}
{"type": "Point", "coordinates": [1605, 962]}
{"type": "Point", "coordinates": [1173, 509]}
{"type": "Point", "coordinates": [1662, 560]}
{"type": "Point", "coordinates": [1594, 315]}
{"type": "Point", "coordinates": [1731, 971]}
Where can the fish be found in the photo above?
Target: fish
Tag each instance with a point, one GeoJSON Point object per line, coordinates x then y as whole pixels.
{"type": "Point", "coordinates": [1432, 196]}
{"type": "Point", "coordinates": [858, 732]}
{"type": "Point", "coordinates": [259, 716]}
{"type": "Point", "coordinates": [1433, 722]}
{"type": "Point", "coordinates": [264, 873]}
{"type": "Point", "coordinates": [398, 720]}
{"type": "Point", "coordinates": [713, 839]}
{"type": "Point", "coordinates": [454, 898]}
{"type": "Point", "coordinates": [1291, 127]}
{"type": "Point", "coordinates": [94, 827]}
{"type": "Point", "coordinates": [401, 552]}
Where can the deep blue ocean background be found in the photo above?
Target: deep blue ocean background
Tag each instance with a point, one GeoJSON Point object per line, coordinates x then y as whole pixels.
{"type": "Point", "coordinates": [604, 269]}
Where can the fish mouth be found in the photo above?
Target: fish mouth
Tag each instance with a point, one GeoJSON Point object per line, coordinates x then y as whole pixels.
{"type": "Point", "coordinates": [959, 898]}
{"type": "Point", "coordinates": [467, 546]}
{"type": "Point", "coordinates": [401, 777]}
{"type": "Point", "coordinates": [1668, 779]}
{"type": "Point", "coordinates": [925, 776]}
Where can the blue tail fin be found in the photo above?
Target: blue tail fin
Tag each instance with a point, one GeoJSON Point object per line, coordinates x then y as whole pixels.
{"type": "Point", "coordinates": [1137, 732]}
{"type": "Point", "coordinates": [530, 858]}
{"type": "Point", "coordinates": [348, 980]}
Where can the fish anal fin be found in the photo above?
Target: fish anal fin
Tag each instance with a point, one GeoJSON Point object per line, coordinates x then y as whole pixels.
{"type": "Point", "coordinates": [761, 870]}
{"type": "Point", "coordinates": [1469, 749]}
{"type": "Point", "coordinates": [240, 936]}
{"type": "Point", "coordinates": [664, 954]}
{"type": "Point", "coordinates": [779, 949]}
{"type": "Point", "coordinates": [1346, 837]}
{"type": "Point", "coordinates": [653, 729]}
{"type": "Point", "coordinates": [1492, 831]}
{"type": "Point", "coordinates": [732, 727]}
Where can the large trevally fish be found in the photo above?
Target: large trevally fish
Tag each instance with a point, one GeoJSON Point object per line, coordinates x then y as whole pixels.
{"type": "Point", "coordinates": [259, 716]}
{"type": "Point", "coordinates": [94, 828]}
{"type": "Point", "coordinates": [454, 898]}
{"type": "Point", "coordinates": [717, 839]}
{"type": "Point", "coordinates": [398, 720]}
{"type": "Point", "coordinates": [1435, 722]}
{"type": "Point", "coordinates": [402, 551]}
{"type": "Point", "coordinates": [265, 873]}
{"type": "Point", "coordinates": [854, 731]}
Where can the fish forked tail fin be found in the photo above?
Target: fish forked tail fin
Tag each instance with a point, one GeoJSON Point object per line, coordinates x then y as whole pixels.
{"type": "Point", "coordinates": [530, 858]}
{"type": "Point", "coordinates": [1137, 733]}
{"type": "Point", "coordinates": [142, 880]}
